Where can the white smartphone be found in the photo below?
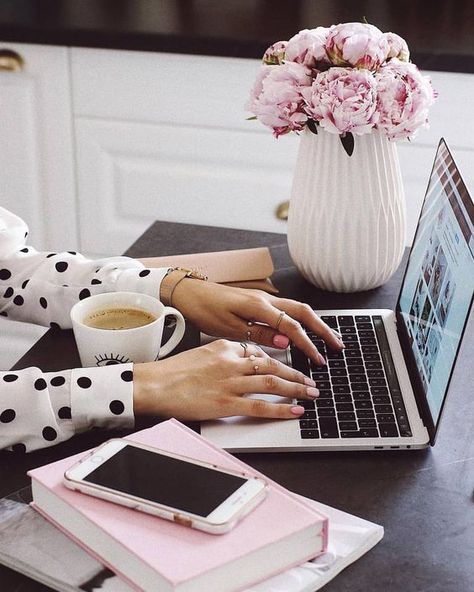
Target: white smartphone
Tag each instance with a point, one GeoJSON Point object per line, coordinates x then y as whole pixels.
{"type": "Point", "coordinates": [186, 491]}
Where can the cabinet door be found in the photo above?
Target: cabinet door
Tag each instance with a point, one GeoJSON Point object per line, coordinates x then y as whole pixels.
{"type": "Point", "coordinates": [36, 170]}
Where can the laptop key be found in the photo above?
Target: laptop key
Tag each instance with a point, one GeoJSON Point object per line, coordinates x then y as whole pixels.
{"type": "Point", "coordinates": [361, 396]}
{"type": "Point", "coordinates": [364, 433]}
{"type": "Point", "coordinates": [328, 427]}
{"type": "Point", "coordinates": [308, 424]}
{"type": "Point", "coordinates": [388, 430]}
{"type": "Point", "coordinates": [383, 409]}
{"type": "Point", "coordinates": [370, 365]}
{"type": "Point", "coordinates": [344, 407]}
{"type": "Point", "coordinates": [338, 372]}
{"type": "Point", "coordinates": [340, 380]}
{"type": "Point", "coordinates": [348, 426]}
{"type": "Point", "coordinates": [362, 319]}
{"type": "Point", "coordinates": [374, 356]}
{"type": "Point", "coordinates": [341, 388]}
{"type": "Point", "coordinates": [306, 404]}
{"type": "Point", "coordinates": [363, 404]}
{"type": "Point", "coordinates": [356, 369]}
{"type": "Point", "coordinates": [331, 321]}
{"type": "Point", "coordinates": [354, 361]}
{"type": "Point", "coordinates": [367, 423]}
{"type": "Point", "coordinates": [346, 416]}
{"type": "Point", "coordinates": [360, 386]}
{"type": "Point", "coordinates": [351, 345]}
{"type": "Point", "coordinates": [369, 349]}
{"type": "Point", "coordinates": [381, 400]}
{"type": "Point", "coordinates": [375, 373]}
{"type": "Point", "coordinates": [345, 330]}
{"type": "Point", "coordinates": [367, 340]}
{"type": "Point", "coordinates": [325, 394]}
{"type": "Point", "coordinates": [326, 412]}
{"type": "Point", "coordinates": [336, 364]}
{"type": "Point", "coordinates": [365, 413]}
{"type": "Point", "coordinates": [299, 360]}
{"type": "Point", "coordinates": [357, 378]}
{"type": "Point", "coordinates": [309, 414]}
{"type": "Point", "coordinates": [334, 355]}
{"type": "Point", "coordinates": [323, 384]}
{"type": "Point", "coordinates": [345, 321]}
{"type": "Point", "coordinates": [309, 434]}
{"type": "Point", "coordinates": [377, 381]}
{"type": "Point", "coordinates": [346, 398]}
{"type": "Point", "coordinates": [320, 403]}
{"type": "Point", "coordinates": [379, 390]}
{"type": "Point", "coordinates": [385, 418]}
{"type": "Point", "coordinates": [319, 375]}
{"type": "Point", "coordinates": [352, 353]}
{"type": "Point", "coordinates": [349, 338]}
{"type": "Point", "coordinates": [363, 326]}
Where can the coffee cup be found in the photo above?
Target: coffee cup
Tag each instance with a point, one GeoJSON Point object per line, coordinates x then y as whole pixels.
{"type": "Point", "coordinates": [121, 327]}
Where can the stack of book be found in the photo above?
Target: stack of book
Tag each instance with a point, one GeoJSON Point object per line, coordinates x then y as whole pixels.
{"type": "Point", "coordinates": [147, 553]}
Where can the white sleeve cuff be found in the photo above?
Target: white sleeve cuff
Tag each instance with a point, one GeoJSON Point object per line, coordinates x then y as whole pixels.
{"type": "Point", "coordinates": [102, 397]}
{"type": "Point", "coordinates": [145, 281]}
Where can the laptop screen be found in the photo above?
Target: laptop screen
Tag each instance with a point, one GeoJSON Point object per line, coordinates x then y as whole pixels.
{"type": "Point", "coordinates": [438, 287]}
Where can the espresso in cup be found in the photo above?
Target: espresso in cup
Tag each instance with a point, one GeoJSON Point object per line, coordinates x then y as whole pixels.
{"type": "Point", "coordinates": [123, 327]}
{"type": "Point", "coordinates": [116, 319]}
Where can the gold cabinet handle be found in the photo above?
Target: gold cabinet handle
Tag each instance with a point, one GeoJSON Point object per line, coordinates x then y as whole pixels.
{"type": "Point", "coordinates": [282, 210]}
{"type": "Point", "coordinates": [10, 61]}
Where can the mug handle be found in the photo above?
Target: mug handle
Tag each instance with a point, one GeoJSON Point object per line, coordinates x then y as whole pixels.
{"type": "Point", "coordinates": [177, 334]}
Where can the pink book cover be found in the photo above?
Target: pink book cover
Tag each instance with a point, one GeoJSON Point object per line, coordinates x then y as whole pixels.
{"type": "Point", "coordinates": [280, 514]}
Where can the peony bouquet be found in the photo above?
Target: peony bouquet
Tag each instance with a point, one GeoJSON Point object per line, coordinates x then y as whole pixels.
{"type": "Point", "coordinates": [349, 79]}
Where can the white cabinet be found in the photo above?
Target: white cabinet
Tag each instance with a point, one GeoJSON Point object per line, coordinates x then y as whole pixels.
{"type": "Point", "coordinates": [165, 136]}
{"type": "Point", "coordinates": [36, 146]}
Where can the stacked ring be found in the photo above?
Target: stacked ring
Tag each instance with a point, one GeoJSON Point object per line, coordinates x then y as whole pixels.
{"type": "Point", "coordinates": [282, 314]}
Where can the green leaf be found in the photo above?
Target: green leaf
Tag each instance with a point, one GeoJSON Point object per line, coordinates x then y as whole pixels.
{"type": "Point", "coordinates": [347, 141]}
{"type": "Point", "coordinates": [313, 126]}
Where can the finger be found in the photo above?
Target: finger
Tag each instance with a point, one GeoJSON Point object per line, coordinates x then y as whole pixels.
{"type": "Point", "coordinates": [265, 335]}
{"type": "Point", "coordinates": [271, 366]}
{"type": "Point", "coordinates": [272, 385]}
{"type": "Point", "coordinates": [288, 327]}
{"type": "Point", "coordinates": [306, 315]}
{"type": "Point", "coordinates": [259, 408]}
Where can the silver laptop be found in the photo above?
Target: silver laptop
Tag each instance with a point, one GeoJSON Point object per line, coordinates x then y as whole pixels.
{"type": "Point", "coordinates": [388, 387]}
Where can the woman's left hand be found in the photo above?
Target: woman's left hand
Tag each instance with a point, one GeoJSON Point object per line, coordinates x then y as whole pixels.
{"type": "Point", "coordinates": [252, 315]}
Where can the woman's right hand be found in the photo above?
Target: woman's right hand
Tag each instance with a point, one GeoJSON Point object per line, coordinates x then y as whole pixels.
{"type": "Point", "coordinates": [211, 381]}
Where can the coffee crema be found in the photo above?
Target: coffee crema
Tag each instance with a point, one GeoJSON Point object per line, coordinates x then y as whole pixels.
{"type": "Point", "coordinates": [116, 319]}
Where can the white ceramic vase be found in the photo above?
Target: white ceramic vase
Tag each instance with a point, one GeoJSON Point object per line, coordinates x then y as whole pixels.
{"type": "Point", "coordinates": [346, 224]}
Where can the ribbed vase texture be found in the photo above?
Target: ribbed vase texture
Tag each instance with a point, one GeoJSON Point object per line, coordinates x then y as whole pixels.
{"type": "Point", "coordinates": [346, 224]}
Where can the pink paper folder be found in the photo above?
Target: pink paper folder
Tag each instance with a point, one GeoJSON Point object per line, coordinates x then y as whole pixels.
{"type": "Point", "coordinates": [153, 554]}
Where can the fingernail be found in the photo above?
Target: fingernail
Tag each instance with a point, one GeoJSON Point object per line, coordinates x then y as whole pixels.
{"type": "Point", "coordinates": [341, 344]}
{"type": "Point", "coordinates": [297, 410]}
{"type": "Point", "coordinates": [322, 360]}
{"type": "Point", "coordinates": [281, 341]}
{"type": "Point", "coordinates": [309, 381]}
{"type": "Point", "coordinates": [312, 392]}
{"type": "Point", "coordinates": [337, 334]}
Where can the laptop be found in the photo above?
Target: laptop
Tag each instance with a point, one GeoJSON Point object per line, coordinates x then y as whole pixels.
{"type": "Point", "coordinates": [387, 389]}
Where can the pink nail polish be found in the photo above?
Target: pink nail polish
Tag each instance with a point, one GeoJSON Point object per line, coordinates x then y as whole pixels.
{"type": "Point", "coordinates": [322, 360]}
{"type": "Point", "coordinates": [309, 381]}
{"type": "Point", "coordinates": [281, 341]}
{"type": "Point", "coordinates": [312, 392]}
{"type": "Point", "coordinates": [297, 410]}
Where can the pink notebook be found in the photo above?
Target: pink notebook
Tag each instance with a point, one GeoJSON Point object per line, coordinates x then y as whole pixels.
{"type": "Point", "coordinates": [156, 555]}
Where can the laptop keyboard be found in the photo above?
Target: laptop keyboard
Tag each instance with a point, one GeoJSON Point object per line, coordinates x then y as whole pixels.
{"type": "Point", "coordinates": [360, 395]}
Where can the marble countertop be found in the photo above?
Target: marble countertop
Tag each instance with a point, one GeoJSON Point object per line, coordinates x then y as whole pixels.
{"type": "Point", "coordinates": [439, 33]}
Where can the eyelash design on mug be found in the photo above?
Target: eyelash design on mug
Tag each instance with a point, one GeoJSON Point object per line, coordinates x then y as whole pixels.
{"type": "Point", "coordinates": [110, 359]}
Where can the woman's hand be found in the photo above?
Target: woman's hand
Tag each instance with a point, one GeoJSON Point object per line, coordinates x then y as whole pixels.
{"type": "Point", "coordinates": [210, 382]}
{"type": "Point", "coordinates": [251, 315]}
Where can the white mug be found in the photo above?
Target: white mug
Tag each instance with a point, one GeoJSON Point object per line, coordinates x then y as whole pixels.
{"type": "Point", "coordinates": [104, 347]}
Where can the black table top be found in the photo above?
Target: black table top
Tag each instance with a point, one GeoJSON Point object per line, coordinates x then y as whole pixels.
{"type": "Point", "coordinates": [439, 33]}
{"type": "Point", "coordinates": [424, 499]}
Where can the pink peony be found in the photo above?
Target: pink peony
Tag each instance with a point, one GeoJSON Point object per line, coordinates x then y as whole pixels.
{"type": "Point", "coordinates": [308, 47]}
{"type": "Point", "coordinates": [343, 100]}
{"type": "Point", "coordinates": [398, 47]}
{"type": "Point", "coordinates": [275, 54]}
{"type": "Point", "coordinates": [403, 99]}
{"type": "Point", "coordinates": [276, 98]}
{"type": "Point", "coordinates": [358, 45]}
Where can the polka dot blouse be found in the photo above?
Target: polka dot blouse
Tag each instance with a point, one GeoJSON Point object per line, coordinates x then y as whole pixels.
{"type": "Point", "coordinates": [39, 409]}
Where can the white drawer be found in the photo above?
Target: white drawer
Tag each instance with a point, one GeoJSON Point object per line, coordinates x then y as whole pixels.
{"type": "Point", "coordinates": [160, 87]}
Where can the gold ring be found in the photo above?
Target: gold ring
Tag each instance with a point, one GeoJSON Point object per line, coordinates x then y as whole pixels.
{"type": "Point", "coordinates": [282, 314]}
{"type": "Point", "coordinates": [245, 346]}
{"type": "Point", "coordinates": [252, 357]}
{"type": "Point", "coordinates": [255, 368]}
{"type": "Point", "coordinates": [250, 323]}
{"type": "Point", "coordinates": [249, 335]}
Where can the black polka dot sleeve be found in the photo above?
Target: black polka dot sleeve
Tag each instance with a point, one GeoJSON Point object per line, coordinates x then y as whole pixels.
{"type": "Point", "coordinates": [41, 288]}
{"type": "Point", "coordinates": [39, 409]}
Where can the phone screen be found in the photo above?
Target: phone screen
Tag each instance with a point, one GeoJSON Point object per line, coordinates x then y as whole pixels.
{"type": "Point", "coordinates": [165, 480]}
